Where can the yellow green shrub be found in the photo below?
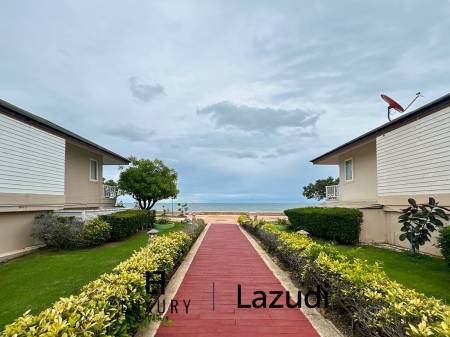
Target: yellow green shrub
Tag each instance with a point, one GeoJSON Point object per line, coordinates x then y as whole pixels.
{"type": "Point", "coordinates": [378, 305]}
{"type": "Point", "coordinates": [244, 219]}
{"type": "Point", "coordinates": [112, 305]}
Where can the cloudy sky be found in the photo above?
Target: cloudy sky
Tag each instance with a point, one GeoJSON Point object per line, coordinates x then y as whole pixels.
{"type": "Point", "coordinates": [237, 96]}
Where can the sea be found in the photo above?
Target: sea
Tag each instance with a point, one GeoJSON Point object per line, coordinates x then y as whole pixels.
{"type": "Point", "coordinates": [227, 207]}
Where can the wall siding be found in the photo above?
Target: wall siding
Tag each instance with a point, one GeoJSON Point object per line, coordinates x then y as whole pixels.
{"type": "Point", "coordinates": [31, 160]}
{"type": "Point", "coordinates": [415, 159]}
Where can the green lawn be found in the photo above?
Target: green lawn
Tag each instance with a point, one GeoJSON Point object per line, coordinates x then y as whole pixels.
{"type": "Point", "coordinates": [37, 280]}
{"type": "Point", "coordinates": [426, 274]}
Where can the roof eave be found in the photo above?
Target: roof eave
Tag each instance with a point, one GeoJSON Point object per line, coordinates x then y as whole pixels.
{"type": "Point", "coordinates": [29, 118]}
{"type": "Point", "coordinates": [429, 108]}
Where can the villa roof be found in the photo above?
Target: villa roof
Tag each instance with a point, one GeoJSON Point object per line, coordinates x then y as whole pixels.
{"type": "Point", "coordinates": [15, 112]}
{"type": "Point", "coordinates": [407, 118]}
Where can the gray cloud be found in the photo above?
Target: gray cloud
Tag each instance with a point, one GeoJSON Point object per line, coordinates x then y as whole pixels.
{"type": "Point", "coordinates": [145, 92]}
{"type": "Point", "coordinates": [267, 120]}
{"type": "Point", "coordinates": [294, 54]}
{"type": "Point", "coordinates": [131, 133]}
{"type": "Point", "coordinates": [240, 154]}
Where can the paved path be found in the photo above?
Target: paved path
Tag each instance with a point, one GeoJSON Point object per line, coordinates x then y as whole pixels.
{"type": "Point", "coordinates": [227, 258]}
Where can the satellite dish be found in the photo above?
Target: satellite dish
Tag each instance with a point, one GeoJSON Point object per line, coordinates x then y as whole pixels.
{"type": "Point", "coordinates": [394, 105]}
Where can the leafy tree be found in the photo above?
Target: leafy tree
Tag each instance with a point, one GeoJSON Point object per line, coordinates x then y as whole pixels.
{"type": "Point", "coordinates": [418, 221]}
{"type": "Point", "coordinates": [316, 190]}
{"type": "Point", "coordinates": [148, 182]}
{"type": "Point", "coordinates": [109, 182]}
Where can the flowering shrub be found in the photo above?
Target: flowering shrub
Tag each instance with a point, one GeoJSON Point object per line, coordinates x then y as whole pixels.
{"type": "Point", "coordinates": [378, 305]}
{"type": "Point", "coordinates": [114, 304]}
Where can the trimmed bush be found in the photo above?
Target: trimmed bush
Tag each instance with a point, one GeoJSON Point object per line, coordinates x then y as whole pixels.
{"type": "Point", "coordinates": [163, 220]}
{"type": "Point", "coordinates": [56, 231]}
{"type": "Point", "coordinates": [125, 223]}
{"type": "Point", "coordinates": [113, 305]}
{"type": "Point", "coordinates": [342, 225]}
{"type": "Point", "coordinates": [444, 243]}
{"type": "Point", "coordinates": [95, 232]}
{"type": "Point", "coordinates": [244, 219]}
{"type": "Point", "coordinates": [376, 305]}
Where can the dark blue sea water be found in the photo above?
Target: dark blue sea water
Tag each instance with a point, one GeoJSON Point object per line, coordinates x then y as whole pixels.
{"type": "Point", "coordinates": [229, 207]}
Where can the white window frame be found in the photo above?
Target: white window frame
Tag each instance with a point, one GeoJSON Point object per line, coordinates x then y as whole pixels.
{"type": "Point", "coordinates": [345, 169]}
{"type": "Point", "coordinates": [90, 169]}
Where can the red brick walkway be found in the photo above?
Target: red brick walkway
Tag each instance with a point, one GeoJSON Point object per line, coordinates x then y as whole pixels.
{"type": "Point", "coordinates": [227, 258]}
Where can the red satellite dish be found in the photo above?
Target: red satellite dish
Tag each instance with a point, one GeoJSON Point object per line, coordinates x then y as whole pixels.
{"type": "Point", "coordinates": [392, 104]}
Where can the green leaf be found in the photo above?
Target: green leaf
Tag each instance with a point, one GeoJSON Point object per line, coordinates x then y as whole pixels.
{"type": "Point", "coordinates": [412, 202]}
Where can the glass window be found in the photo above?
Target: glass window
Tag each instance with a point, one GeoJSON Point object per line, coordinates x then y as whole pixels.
{"type": "Point", "coordinates": [93, 172]}
{"type": "Point", "coordinates": [348, 165]}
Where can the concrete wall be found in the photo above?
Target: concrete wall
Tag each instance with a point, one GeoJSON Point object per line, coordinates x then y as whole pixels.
{"type": "Point", "coordinates": [381, 226]}
{"type": "Point", "coordinates": [15, 202]}
{"type": "Point", "coordinates": [80, 191]}
{"type": "Point", "coordinates": [373, 229]}
{"type": "Point", "coordinates": [15, 229]}
{"type": "Point", "coordinates": [364, 184]}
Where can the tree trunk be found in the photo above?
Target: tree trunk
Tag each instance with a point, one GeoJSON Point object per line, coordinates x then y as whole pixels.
{"type": "Point", "coordinates": [412, 249]}
{"type": "Point", "coordinates": [151, 204]}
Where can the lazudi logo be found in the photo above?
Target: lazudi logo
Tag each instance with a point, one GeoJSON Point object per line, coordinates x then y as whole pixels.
{"type": "Point", "coordinates": [159, 282]}
{"type": "Point", "coordinates": [275, 299]}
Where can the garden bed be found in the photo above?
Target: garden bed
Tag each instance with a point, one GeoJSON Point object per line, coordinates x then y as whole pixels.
{"type": "Point", "coordinates": [375, 305]}
{"type": "Point", "coordinates": [427, 274]}
{"type": "Point", "coordinates": [53, 269]}
{"type": "Point", "coordinates": [46, 275]}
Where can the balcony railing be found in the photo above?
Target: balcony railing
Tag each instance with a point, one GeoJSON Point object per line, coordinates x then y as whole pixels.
{"type": "Point", "coordinates": [332, 192]}
{"type": "Point", "coordinates": [110, 192]}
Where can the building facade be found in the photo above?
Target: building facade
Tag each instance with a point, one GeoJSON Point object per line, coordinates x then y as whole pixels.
{"type": "Point", "coordinates": [44, 167]}
{"type": "Point", "coordinates": [379, 171]}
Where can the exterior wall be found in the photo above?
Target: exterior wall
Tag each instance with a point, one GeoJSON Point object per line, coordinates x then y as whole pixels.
{"type": "Point", "coordinates": [40, 171]}
{"type": "Point", "coordinates": [410, 161]}
{"type": "Point", "coordinates": [14, 202]}
{"type": "Point", "coordinates": [31, 167]}
{"type": "Point", "coordinates": [80, 191]}
{"type": "Point", "coordinates": [32, 160]}
{"type": "Point", "coordinates": [400, 201]}
{"type": "Point", "coordinates": [413, 159]}
{"type": "Point", "coordinates": [363, 187]}
{"type": "Point", "coordinates": [15, 230]}
{"type": "Point", "coordinates": [381, 226]}
{"type": "Point", "coordinates": [373, 229]}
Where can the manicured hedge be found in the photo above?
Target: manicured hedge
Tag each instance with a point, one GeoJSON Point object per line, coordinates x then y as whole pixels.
{"type": "Point", "coordinates": [444, 243]}
{"type": "Point", "coordinates": [342, 225]}
{"type": "Point", "coordinates": [376, 305]}
{"type": "Point", "coordinates": [125, 223]}
{"type": "Point", "coordinates": [114, 304]}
